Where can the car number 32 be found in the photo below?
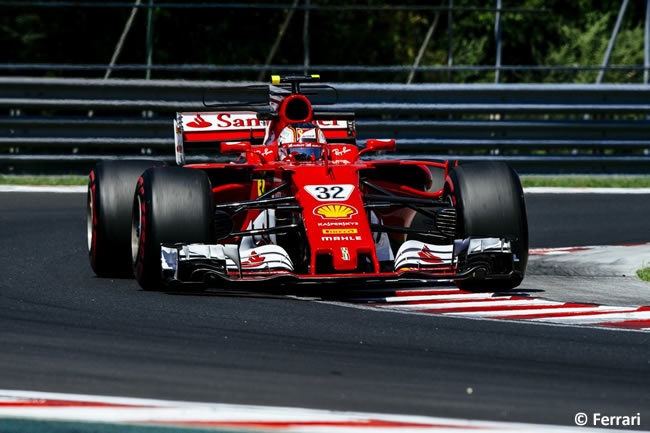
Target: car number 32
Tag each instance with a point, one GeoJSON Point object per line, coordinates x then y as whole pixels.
{"type": "Point", "coordinates": [330, 192]}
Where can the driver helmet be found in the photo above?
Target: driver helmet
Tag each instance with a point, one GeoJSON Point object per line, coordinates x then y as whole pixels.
{"type": "Point", "coordinates": [301, 142]}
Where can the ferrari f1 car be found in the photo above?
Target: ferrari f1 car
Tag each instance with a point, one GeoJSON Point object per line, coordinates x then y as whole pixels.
{"type": "Point", "coordinates": [301, 204]}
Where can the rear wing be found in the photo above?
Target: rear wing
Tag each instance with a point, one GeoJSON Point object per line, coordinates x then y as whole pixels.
{"type": "Point", "coordinates": [208, 129]}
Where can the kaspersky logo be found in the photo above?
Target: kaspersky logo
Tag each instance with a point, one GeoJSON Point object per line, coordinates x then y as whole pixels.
{"type": "Point", "coordinates": [335, 211]}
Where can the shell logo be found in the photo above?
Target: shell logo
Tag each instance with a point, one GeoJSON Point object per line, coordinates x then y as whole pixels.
{"type": "Point", "coordinates": [327, 211]}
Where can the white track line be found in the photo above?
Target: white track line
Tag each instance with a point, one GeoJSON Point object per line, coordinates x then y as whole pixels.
{"type": "Point", "coordinates": [481, 303]}
{"type": "Point", "coordinates": [532, 190]}
{"type": "Point", "coordinates": [426, 291]}
{"type": "Point", "coordinates": [460, 295]}
{"type": "Point", "coordinates": [597, 318]}
{"type": "Point", "coordinates": [57, 189]}
{"type": "Point", "coordinates": [503, 307]}
{"type": "Point", "coordinates": [563, 190]}
{"type": "Point", "coordinates": [533, 311]}
{"type": "Point", "coordinates": [589, 248]}
{"type": "Point", "coordinates": [41, 406]}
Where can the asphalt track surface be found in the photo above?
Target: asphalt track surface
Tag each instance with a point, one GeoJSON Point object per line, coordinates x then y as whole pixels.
{"type": "Point", "coordinates": [64, 330]}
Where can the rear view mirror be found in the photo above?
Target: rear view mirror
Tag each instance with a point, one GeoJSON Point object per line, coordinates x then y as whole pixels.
{"type": "Point", "coordinates": [235, 147]}
{"type": "Point", "coordinates": [374, 145]}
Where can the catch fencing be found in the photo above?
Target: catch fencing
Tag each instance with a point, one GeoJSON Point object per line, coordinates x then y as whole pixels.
{"type": "Point", "coordinates": [65, 125]}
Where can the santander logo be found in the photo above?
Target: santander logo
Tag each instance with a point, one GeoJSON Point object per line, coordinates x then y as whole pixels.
{"type": "Point", "coordinates": [199, 122]}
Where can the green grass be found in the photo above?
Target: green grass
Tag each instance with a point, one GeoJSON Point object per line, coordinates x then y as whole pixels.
{"type": "Point", "coordinates": [587, 181]}
{"type": "Point", "coordinates": [527, 181]}
{"type": "Point", "coordinates": [66, 180]}
{"type": "Point", "coordinates": [644, 274]}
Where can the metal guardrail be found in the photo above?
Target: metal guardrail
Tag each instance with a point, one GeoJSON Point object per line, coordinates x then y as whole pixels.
{"type": "Point", "coordinates": [300, 68]}
{"type": "Point", "coordinates": [170, 95]}
{"type": "Point", "coordinates": [537, 128]}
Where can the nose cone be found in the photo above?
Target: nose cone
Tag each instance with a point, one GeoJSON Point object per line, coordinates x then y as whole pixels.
{"type": "Point", "coordinates": [334, 216]}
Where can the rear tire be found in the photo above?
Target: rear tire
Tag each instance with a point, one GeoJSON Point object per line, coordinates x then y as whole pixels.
{"type": "Point", "coordinates": [110, 196]}
{"type": "Point", "coordinates": [171, 205]}
{"type": "Point", "coordinates": [490, 202]}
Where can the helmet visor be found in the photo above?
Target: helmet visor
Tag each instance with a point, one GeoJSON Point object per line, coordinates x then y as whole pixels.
{"type": "Point", "coordinates": [305, 153]}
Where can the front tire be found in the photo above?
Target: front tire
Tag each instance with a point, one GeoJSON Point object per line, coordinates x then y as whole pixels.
{"type": "Point", "coordinates": [171, 205]}
{"type": "Point", "coordinates": [108, 223]}
{"type": "Point", "coordinates": [489, 201]}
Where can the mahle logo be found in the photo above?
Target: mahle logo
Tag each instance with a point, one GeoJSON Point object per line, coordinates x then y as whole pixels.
{"type": "Point", "coordinates": [336, 211]}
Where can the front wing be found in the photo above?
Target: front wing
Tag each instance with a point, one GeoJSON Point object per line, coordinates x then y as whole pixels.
{"type": "Point", "coordinates": [217, 265]}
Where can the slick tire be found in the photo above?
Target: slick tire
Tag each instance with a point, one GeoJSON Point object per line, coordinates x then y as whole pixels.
{"type": "Point", "coordinates": [110, 197]}
{"type": "Point", "coordinates": [171, 205]}
{"type": "Point", "coordinates": [490, 202]}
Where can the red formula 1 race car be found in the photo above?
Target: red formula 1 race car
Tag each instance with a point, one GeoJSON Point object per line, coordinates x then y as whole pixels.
{"type": "Point", "coordinates": [301, 204]}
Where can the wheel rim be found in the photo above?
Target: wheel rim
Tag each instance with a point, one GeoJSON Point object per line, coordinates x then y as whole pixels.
{"type": "Point", "coordinates": [89, 220]}
{"type": "Point", "coordinates": [136, 227]}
